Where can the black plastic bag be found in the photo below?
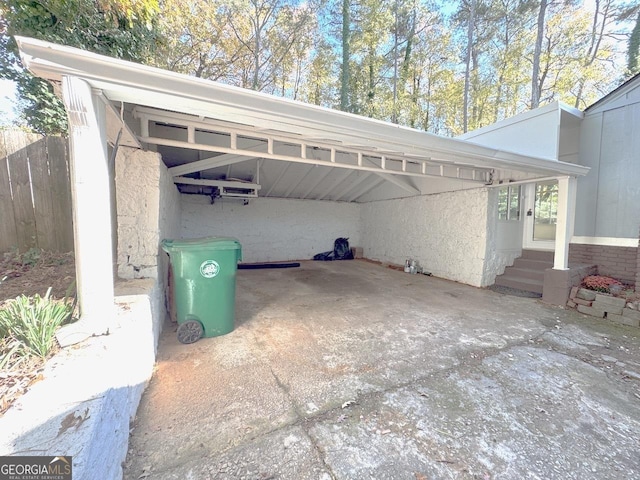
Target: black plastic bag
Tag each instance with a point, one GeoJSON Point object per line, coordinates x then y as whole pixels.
{"type": "Point", "coordinates": [324, 256]}
{"type": "Point", "coordinates": [341, 250]}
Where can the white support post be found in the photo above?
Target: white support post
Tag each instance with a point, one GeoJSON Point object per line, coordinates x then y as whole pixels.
{"type": "Point", "coordinates": [144, 126]}
{"type": "Point", "coordinates": [90, 190]}
{"type": "Point", "coordinates": [567, 188]}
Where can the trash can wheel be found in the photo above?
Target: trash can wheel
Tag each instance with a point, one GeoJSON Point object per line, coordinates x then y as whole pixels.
{"type": "Point", "coordinates": [190, 331]}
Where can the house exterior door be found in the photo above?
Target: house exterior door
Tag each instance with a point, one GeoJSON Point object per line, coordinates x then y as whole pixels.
{"type": "Point", "coordinates": [541, 207]}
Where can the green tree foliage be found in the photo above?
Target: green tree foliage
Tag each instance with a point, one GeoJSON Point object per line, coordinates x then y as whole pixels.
{"type": "Point", "coordinates": [118, 28]}
{"type": "Point", "coordinates": [633, 51]}
{"type": "Point", "coordinates": [443, 67]}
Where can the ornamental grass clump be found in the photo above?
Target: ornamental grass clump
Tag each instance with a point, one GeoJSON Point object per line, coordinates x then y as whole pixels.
{"type": "Point", "coordinates": [28, 324]}
{"type": "Point", "coordinates": [600, 283]}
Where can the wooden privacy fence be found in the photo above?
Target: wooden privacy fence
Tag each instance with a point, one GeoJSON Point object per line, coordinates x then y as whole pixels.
{"type": "Point", "coordinates": [35, 193]}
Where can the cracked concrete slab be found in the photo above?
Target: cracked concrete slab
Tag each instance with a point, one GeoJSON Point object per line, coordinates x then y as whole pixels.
{"type": "Point", "coordinates": [348, 370]}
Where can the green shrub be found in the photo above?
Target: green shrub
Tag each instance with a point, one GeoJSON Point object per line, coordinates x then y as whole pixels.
{"type": "Point", "coordinates": [33, 321]}
{"type": "Point", "coordinates": [31, 257]}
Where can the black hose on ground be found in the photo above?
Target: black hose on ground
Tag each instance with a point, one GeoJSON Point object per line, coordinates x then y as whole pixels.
{"type": "Point", "coordinates": [257, 266]}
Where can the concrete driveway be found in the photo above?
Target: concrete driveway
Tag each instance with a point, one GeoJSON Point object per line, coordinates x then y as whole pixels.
{"type": "Point", "coordinates": [349, 370]}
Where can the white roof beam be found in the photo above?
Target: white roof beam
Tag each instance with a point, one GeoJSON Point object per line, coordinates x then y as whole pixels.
{"type": "Point", "coordinates": [214, 162]}
{"type": "Point", "coordinates": [400, 182]}
{"type": "Point", "coordinates": [207, 163]}
{"type": "Point", "coordinates": [247, 154]}
{"type": "Point", "coordinates": [215, 183]}
{"type": "Point", "coordinates": [233, 130]}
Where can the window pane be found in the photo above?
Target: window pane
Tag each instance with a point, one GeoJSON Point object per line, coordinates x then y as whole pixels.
{"type": "Point", "coordinates": [503, 202]}
{"type": "Point", "coordinates": [545, 212]}
{"type": "Point", "coordinates": [514, 203]}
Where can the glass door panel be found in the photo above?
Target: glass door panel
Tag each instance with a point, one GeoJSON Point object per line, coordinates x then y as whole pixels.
{"type": "Point", "coordinates": [545, 212]}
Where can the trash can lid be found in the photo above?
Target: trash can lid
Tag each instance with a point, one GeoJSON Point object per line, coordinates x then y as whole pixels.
{"type": "Point", "coordinates": [206, 243]}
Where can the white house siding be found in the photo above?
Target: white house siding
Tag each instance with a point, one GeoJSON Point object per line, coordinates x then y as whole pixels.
{"type": "Point", "coordinates": [272, 229]}
{"type": "Point", "coordinates": [446, 233]}
{"type": "Point", "coordinates": [608, 201]}
{"type": "Point", "coordinates": [148, 206]}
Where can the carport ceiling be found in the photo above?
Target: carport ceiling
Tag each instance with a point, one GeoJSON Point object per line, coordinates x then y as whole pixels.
{"type": "Point", "coordinates": [217, 138]}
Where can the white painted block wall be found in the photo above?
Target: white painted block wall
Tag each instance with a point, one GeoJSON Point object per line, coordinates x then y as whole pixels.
{"type": "Point", "coordinates": [148, 205]}
{"type": "Point", "coordinates": [271, 229]}
{"type": "Point", "coordinates": [445, 232]}
{"type": "Point", "coordinates": [148, 210]}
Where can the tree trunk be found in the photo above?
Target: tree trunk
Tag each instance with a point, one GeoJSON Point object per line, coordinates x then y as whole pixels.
{"type": "Point", "coordinates": [467, 71]}
{"type": "Point", "coordinates": [634, 48]}
{"type": "Point", "coordinates": [406, 62]}
{"type": "Point", "coordinates": [536, 86]}
{"type": "Point", "coordinates": [346, 54]}
{"type": "Point", "coordinates": [394, 113]}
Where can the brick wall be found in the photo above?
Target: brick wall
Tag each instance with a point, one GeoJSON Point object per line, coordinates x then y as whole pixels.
{"type": "Point", "coordinates": [638, 271]}
{"type": "Point", "coordinates": [622, 263]}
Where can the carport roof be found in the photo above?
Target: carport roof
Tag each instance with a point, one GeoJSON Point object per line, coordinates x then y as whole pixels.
{"type": "Point", "coordinates": [136, 94]}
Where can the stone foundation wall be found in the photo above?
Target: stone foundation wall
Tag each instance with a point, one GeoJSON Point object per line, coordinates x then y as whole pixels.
{"type": "Point", "coordinates": [622, 263]}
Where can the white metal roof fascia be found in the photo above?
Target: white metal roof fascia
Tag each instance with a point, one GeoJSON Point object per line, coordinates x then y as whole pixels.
{"type": "Point", "coordinates": [143, 85]}
{"type": "Point", "coordinates": [521, 117]}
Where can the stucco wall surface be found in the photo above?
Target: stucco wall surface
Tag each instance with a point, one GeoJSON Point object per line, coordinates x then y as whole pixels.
{"type": "Point", "coordinates": [148, 208]}
{"type": "Point", "coordinates": [445, 232]}
{"type": "Point", "coordinates": [271, 229]}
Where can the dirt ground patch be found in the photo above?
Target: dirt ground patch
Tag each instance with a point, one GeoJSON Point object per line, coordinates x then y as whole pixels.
{"type": "Point", "coordinates": [28, 274]}
{"type": "Point", "coordinates": [36, 273]}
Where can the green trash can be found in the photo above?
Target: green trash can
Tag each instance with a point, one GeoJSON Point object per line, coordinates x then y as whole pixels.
{"type": "Point", "coordinates": [204, 285]}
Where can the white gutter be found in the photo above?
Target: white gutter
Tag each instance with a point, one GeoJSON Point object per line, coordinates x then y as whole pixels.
{"type": "Point", "coordinates": [143, 85]}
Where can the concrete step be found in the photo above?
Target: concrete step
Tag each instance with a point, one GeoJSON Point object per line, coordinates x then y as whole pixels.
{"type": "Point", "coordinates": [526, 284]}
{"type": "Point", "coordinates": [528, 273]}
{"type": "Point", "coordinates": [542, 255]}
{"type": "Point", "coordinates": [540, 265]}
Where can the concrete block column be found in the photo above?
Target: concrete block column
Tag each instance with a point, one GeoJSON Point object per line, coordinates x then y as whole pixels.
{"type": "Point", "coordinates": [557, 286]}
{"type": "Point", "coordinates": [90, 191]}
